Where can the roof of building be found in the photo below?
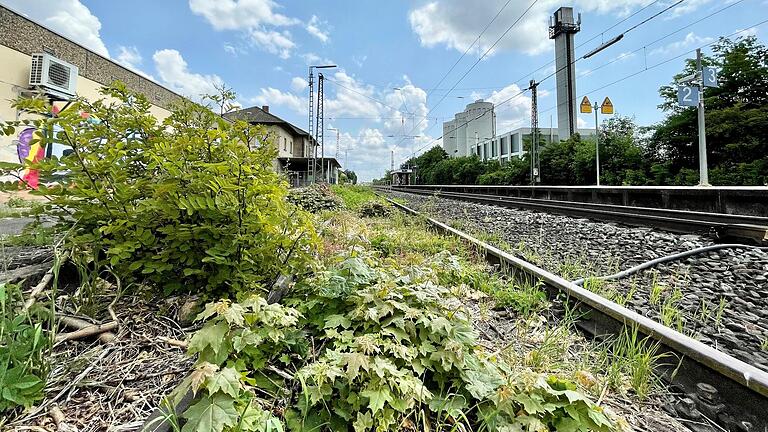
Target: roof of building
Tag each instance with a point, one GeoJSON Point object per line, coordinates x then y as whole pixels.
{"type": "Point", "coordinates": [256, 115]}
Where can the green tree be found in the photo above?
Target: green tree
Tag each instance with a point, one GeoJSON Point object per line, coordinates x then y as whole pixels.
{"type": "Point", "coordinates": [736, 117]}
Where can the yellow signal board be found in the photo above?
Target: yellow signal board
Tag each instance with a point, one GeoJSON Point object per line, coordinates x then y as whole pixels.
{"type": "Point", "coordinates": [606, 107]}
{"type": "Point", "coordinates": [586, 106]}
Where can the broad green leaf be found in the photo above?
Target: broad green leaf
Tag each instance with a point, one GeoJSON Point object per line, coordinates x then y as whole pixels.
{"type": "Point", "coordinates": [211, 335]}
{"type": "Point", "coordinates": [363, 423]}
{"type": "Point", "coordinates": [226, 380]}
{"type": "Point", "coordinates": [210, 414]}
{"type": "Point", "coordinates": [377, 397]}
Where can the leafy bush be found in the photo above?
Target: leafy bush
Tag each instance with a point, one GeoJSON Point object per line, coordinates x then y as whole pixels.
{"type": "Point", "coordinates": [315, 198]}
{"type": "Point", "coordinates": [23, 352]}
{"type": "Point", "coordinates": [192, 204]}
{"type": "Point", "coordinates": [385, 352]}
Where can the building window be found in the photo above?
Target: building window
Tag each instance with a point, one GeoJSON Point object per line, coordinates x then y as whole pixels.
{"type": "Point", "coordinates": [485, 151]}
{"type": "Point", "coordinates": [504, 146]}
{"type": "Point", "coordinates": [515, 144]}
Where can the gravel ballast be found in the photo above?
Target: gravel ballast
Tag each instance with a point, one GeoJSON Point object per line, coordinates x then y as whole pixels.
{"type": "Point", "coordinates": [719, 298]}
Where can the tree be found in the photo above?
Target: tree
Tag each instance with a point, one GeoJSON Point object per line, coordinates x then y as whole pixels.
{"type": "Point", "coordinates": [736, 117]}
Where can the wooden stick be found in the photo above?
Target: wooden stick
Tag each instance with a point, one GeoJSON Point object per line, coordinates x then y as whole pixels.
{"type": "Point", "coordinates": [43, 284]}
{"type": "Point", "coordinates": [105, 333]}
{"type": "Point", "coordinates": [173, 342]}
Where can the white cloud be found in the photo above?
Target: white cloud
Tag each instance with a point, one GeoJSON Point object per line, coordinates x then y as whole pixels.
{"type": "Point", "coordinates": [174, 73]}
{"type": "Point", "coordinates": [398, 114]}
{"type": "Point", "coordinates": [311, 58]}
{"type": "Point", "coordinates": [691, 40]}
{"type": "Point", "coordinates": [240, 14]}
{"type": "Point", "coordinates": [68, 17]}
{"type": "Point", "coordinates": [516, 111]}
{"type": "Point", "coordinates": [274, 42]}
{"type": "Point", "coordinates": [129, 57]}
{"type": "Point", "coordinates": [274, 97]}
{"type": "Point", "coordinates": [447, 23]}
{"type": "Point", "coordinates": [313, 28]}
{"type": "Point", "coordinates": [299, 84]}
{"type": "Point", "coordinates": [259, 20]}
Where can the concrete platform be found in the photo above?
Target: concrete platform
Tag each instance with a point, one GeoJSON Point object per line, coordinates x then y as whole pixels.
{"type": "Point", "coordinates": [747, 200]}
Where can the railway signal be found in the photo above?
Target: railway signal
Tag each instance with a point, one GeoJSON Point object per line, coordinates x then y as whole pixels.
{"type": "Point", "coordinates": [605, 108]}
{"type": "Point", "coordinates": [690, 92]}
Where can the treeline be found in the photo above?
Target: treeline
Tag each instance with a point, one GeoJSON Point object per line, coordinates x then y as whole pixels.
{"type": "Point", "coordinates": [665, 153]}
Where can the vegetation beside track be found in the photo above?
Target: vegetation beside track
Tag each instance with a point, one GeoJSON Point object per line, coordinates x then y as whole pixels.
{"type": "Point", "coordinates": [374, 330]}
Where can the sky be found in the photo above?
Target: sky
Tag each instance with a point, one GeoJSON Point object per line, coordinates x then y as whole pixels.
{"type": "Point", "coordinates": [403, 67]}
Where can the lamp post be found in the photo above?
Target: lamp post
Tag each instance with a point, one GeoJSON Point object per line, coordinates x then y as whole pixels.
{"type": "Point", "coordinates": [311, 109]}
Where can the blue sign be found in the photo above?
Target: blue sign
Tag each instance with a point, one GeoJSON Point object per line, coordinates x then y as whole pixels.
{"type": "Point", "coordinates": [709, 77]}
{"type": "Point", "coordinates": [687, 96]}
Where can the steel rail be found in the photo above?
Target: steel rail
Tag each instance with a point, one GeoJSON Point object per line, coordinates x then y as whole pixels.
{"type": "Point", "coordinates": [744, 227]}
{"type": "Point", "coordinates": [732, 391]}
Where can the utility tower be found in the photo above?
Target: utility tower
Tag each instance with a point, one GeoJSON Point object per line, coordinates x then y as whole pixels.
{"type": "Point", "coordinates": [319, 134]}
{"type": "Point", "coordinates": [562, 28]}
{"type": "Point", "coordinates": [535, 166]}
{"type": "Point", "coordinates": [311, 167]}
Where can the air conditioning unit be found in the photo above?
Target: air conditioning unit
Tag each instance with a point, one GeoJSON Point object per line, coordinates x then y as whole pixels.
{"type": "Point", "coordinates": [57, 77]}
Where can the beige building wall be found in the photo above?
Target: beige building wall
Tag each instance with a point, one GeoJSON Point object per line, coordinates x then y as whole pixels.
{"type": "Point", "coordinates": [14, 79]}
{"type": "Point", "coordinates": [21, 37]}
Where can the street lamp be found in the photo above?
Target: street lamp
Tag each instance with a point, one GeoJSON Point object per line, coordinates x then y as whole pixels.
{"type": "Point", "coordinates": [311, 109]}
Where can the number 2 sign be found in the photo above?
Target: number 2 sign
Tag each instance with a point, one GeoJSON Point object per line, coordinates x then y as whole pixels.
{"type": "Point", "coordinates": [687, 96]}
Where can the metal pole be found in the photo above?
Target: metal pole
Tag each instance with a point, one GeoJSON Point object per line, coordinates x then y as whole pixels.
{"type": "Point", "coordinates": [597, 146]}
{"type": "Point", "coordinates": [311, 168]}
{"type": "Point", "coordinates": [703, 170]}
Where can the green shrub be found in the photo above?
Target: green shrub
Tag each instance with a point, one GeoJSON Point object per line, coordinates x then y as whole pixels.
{"type": "Point", "coordinates": [384, 353]}
{"type": "Point", "coordinates": [192, 204]}
{"type": "Point", "coordinates": [375, 209]}
{"type": "Point", "coordinates": [315, 198]}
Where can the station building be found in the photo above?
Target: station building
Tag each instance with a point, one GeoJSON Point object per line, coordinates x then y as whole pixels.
{"type": "Point", "coordinates": [294, 145]}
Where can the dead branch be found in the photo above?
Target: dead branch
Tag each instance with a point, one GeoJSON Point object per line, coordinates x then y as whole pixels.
{"type": "Point", "coordinates": [59, 419]}
{"type": "Point", "coordinates": [42, 285]}
{"type": "Point", "coordinates": [173, 342]}
{"type": "Point", "coordinates": [86, 329]}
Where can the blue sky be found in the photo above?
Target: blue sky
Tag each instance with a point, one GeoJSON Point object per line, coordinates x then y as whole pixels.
{"type": "Point", "coordinates": [392, 54]}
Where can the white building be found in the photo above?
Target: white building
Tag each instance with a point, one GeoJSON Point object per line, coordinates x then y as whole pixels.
{"type": "Point", "coordinates": [510, 144]}
{"type": "Point", "coordinates": [462, 135]}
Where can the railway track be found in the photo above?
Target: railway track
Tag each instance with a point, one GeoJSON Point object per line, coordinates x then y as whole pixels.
{"type": "Point", "coordinates": [753, 229]}
{"type": "Point", "coordinates": [716, 385]}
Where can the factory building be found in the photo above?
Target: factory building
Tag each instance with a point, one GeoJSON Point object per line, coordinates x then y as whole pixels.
{"type": "Point", "coordinates": [463, 135]}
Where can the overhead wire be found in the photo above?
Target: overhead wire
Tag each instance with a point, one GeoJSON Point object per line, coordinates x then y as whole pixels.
{"type": "Point", "coordinates": [487, 51]}
{"type": "Point", "coordinates": [565, 66]}
{"type": "Point", "coordinates": [636, 73]}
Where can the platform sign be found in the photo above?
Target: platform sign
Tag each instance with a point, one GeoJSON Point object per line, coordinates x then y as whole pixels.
{"type": "Point", "coordinates": [687, 95]}
{"type": "Point", "coordinates": [709, 77]}
{"type": "Point", "coordinates": [586, 106]}
{"type": "Point", "coordinates": [606, 107]}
